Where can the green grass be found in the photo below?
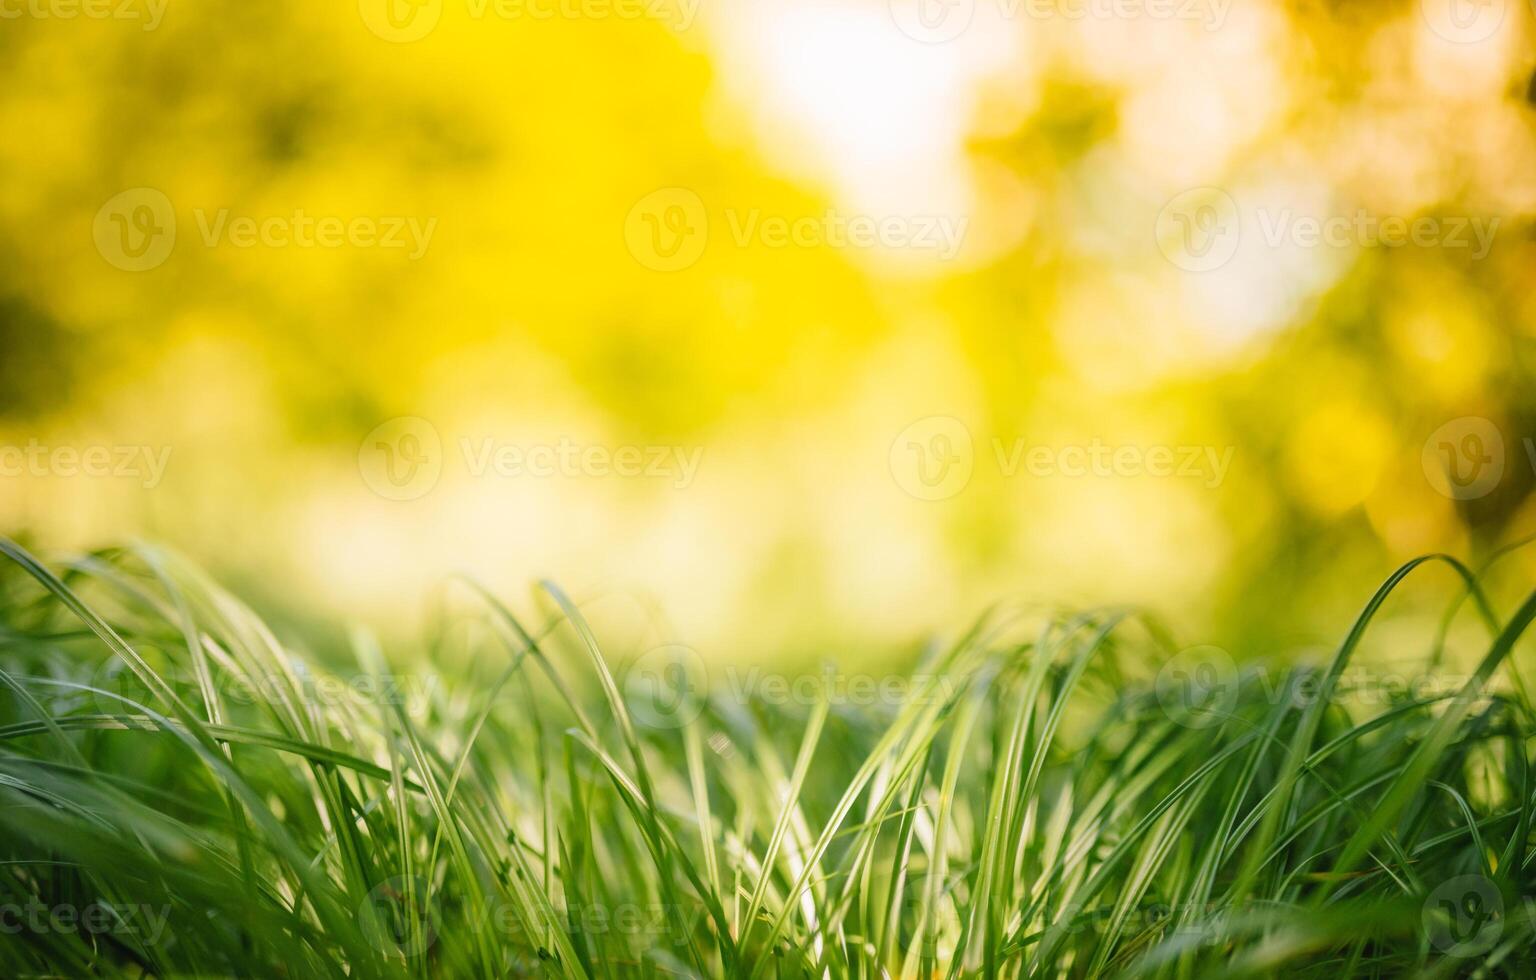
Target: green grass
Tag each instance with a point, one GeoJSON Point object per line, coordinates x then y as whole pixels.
{"type": "Point", "coordinates": [182, 794]}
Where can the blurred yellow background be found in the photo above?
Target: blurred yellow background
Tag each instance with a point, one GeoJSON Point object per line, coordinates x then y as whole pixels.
{"type": "Point", "coordinates": [822, 324]}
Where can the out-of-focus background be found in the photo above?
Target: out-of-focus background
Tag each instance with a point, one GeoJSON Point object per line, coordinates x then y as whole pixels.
{"type": "Point", "coordinates": [820, 324]}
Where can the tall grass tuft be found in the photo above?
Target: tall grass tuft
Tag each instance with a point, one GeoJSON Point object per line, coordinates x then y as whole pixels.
{"type": "Point", "coordinates": [182, 793]}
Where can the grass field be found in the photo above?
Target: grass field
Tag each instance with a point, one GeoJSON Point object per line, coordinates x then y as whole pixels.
{"type": "Point", "coordinates": [181, 794]}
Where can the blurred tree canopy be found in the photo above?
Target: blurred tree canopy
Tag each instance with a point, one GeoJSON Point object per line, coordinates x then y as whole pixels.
{"type": "Point", "coordinates": [1083, 306]}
